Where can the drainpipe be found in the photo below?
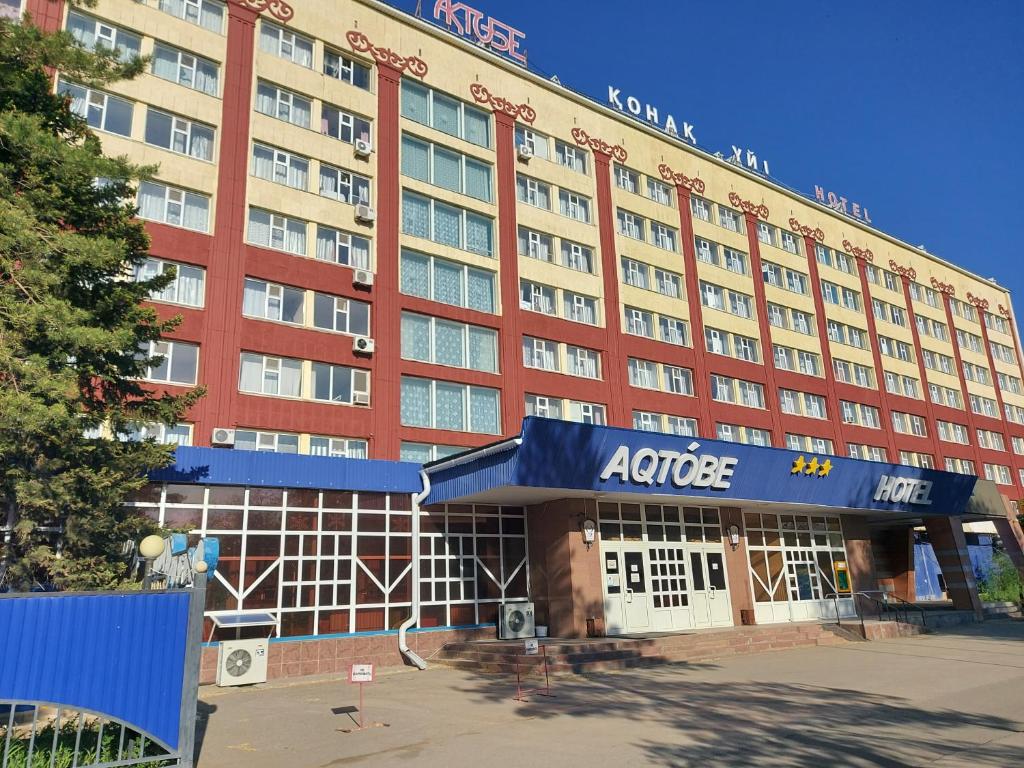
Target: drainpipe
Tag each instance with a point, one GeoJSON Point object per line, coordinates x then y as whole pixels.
{"type": "Point", "coordinates": [414, 617]}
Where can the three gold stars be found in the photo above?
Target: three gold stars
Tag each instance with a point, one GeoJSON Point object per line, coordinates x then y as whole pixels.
{"type": "Point", "coordinates": [812, 467]}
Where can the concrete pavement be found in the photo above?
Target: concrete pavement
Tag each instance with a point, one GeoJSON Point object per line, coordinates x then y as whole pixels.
{"type": "Point", "coordinates": [954, 698]}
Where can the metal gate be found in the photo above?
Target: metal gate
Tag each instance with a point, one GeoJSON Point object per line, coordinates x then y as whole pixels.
{"type": "Point", "coordinates": [100, 679]}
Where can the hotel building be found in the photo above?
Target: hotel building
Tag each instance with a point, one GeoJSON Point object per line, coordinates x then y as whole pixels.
{"type": "Point", "coordinates": [394, 244]}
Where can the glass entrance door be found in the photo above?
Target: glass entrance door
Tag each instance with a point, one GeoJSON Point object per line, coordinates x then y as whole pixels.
{"type": "Point", "coordinates": [627, 604]}
{"type": "Point", "coordinates": [711, 604]}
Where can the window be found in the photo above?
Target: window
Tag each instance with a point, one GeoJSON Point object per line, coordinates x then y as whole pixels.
{"type": "Point", "coordinates": [207, 14]}
{"type": "Point", "coordinates": [576, 256]}
{"type": "Point", "coordinates": [187, 288]}
{"type": "Point", "coordinates": [179, 434]}
{"type": "Point", "coordinates": [447, 405]}
{"type": "Point", "coordinates": [635, 273]}
{"type": "Point", "coordinates": [643, 373]}
{"type": "Point", "coordinates": [802, 404]}
{"type": "Point", "coordinates": [170, 205]}
{"type": "Point", "coordinates": [536, 142]}
{"type": "Point", "coordinates": [442, 112]}
{"type": "Point", "coordinates": [534, 297]}
{"type": "Point", "coordinates": [177, 362]}
{"type": "Point", "coordinates": [341, 67]}
{"type": "Point", "coordinates": [585, 363]}
{"type": "Point", "coordinates": [915, 459]}
{"type": "Point", "coordinates": [573, 158]}
{"type": "Point", "coordinates": [745, 348]}
{"type": "Point", "coordinates": [179, 135]}
{"type": "Point", "coordinates": [701, 208]}
{"type": "Point", "coordinates": [730, 219]}
{"type": "Point", "coordinates": [586, 413]}
{"type": "Point", "coordinates": [866, 452]}
{"type": "Point", "coordinates": [765, 233]}
{"type": "Point", "coordinates": [707, 251]}
{"type": "Point", "coordinates": [446, 342]}
{"type": "Point", "coordinates": [446, 224]}
{"type": "Point", "coordinates": [726, 300]}
{"type": "Point", "coordinates": [908, 424]}
{"type": "Point", "coordinates": [271, 230]}
{"type": "Point", "coordinates": [579, 308]}
{"type": "Point", "coordinates": [264, 375]}
{"type": "Point", "coordinates": [658, 192]}
{"type": "Point", "coordinates": [535, 245]}
{"type": "Point", "coordinates": [334, 313]}
{"type": "Point", "coordinates": [678, 381]}
{"type": "Point", "coordinates": [994, 441]}
{"type": "Point", "coordinates": [446, 168]}
{"type": "Point", "coordinates": [533, 192]}
{"type": "Point", "coordinates": [270, 301]}
{"type": "Point", "coordinates": [668, 283]}
{"type": "Point", "coordinates": [340, 384]}
{"type": "Point", "coordinates": [286, 44]}
{"type": "Point", "coordinates": [778, 316]}
{"type": "Point", "coordinates": [734, 433]}
{"type": "Point", "coordinates": [284, 105]}
{"type": "Point", "coordinates": [953, 433]}
{"type": "Point", "coordinates": [267, 442]}
{"type": "Point", "coordinates": [646, 421]}
{"type": "Point", "coordinates": [100, 110]}
{"type": "Point", "coordinates": [806, 443]}
{"type": "Point", "coordinates": [540, 353]}
{"type": "Point", "coordinates": [998, 474]}
{"type": "Point", "coordinates": [631, 225]}
{"type": "Point", "coordinates": [186, 69]}
{"type": "Point", "coordinates": [344, 186]}
{"type": "Point", "coordinates": [734, 261]}
{"type": "Point", "coordinates": [802, 322]}
{"type": "Point", "coordinates": [728, 390]}
{"type": "Point", "coordinates": [574, 206]}
{"type": "Point", "coordinates": [639, 322]}
{"type": "Point", "coordinates": [853, 373]}
{"type": "Point", "coordinates": [446, 281]}
{"type": "Point", "coordinates": [342, 125]}
{"type": "Point", "coordinates": [788, 242]}
{"type": "Point", "coordinates": [858, 413]}
{"type": "Point", "coordinates": [545, 407]}
{"type": "Point", "coordinates": [92, 34]}
{"type": "Point", "coordinates": [342, 248]}
{"type": "Point", "coordinates": [673, 331]}
{"type": "Point", "coordinates": [663, 236]}
{"type": "Point", "coordinates": [338, 447]}
{"type": "Point", "coordinates": [716, 341]}
{"type": "Point", "coordinates": [280, 167]}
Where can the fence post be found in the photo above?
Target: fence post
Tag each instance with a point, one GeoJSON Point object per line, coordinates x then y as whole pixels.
{"type": "Point", "coordinates": [190, 679]}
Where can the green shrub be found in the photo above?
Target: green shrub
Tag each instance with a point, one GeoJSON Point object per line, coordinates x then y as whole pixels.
{"type": "Point", "coordinates": [1003, 583]}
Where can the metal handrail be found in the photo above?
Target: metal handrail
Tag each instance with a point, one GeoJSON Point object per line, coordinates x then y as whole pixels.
{"type": "Point", "coordinates": [886, 604]}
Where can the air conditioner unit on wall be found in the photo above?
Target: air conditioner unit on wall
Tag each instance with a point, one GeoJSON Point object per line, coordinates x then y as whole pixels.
{"type": "Point", "coordinates": [363, 277]}
{"type": "Point", "coordinates": [223, 436]}
{"type": "Point", "coordinates": [515, 621]}
{"type": "Point", "coordinates": [365, 213]}
{"type": "Point", "coordinates": [360, 398]}
{"type": "Point", "coordinates": [362, 345]}
{"type": "Point", "coordinates": [242, 662]}
{"type": "Point", "coordinates": [524, 153]}
{"type": "Point", "coordinates": [363, 148]}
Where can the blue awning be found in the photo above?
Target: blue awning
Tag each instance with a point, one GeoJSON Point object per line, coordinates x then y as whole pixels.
{"type": "Point", "coordinates": [554, 459]}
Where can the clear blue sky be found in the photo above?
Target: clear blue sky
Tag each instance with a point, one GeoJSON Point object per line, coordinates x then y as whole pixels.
{"type": "Point", "coordinates": [914, 108]}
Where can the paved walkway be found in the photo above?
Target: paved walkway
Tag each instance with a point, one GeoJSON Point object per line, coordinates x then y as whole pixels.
{"type": "Point", "coordinates": [955, 698]}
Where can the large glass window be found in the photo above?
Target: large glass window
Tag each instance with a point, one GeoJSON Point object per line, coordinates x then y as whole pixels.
{"type": "Point", "coordinates": [446, 281]}
{"type": "Point", "coordinates": [446, 342]}
{"type": "Point", "coordinates": [447, 224]}
{"type": "Point", "coordinates": [266, 375]}
{"type": "Point", "coordinates": [348, 70]}
{"type": "Point", "coordinates": [344, 126]}
{"type": "Point", "coordinates": [271, 301]}
{"type": "Point", "coordinates": [446, 168]}
{"type": "Point", "coordinates": [450, 406]}
{"type": "Point", "coordinates": [100, 110]}
{"type": "Point", "coordinates": [342, 247]}
{"type": "Point", "coordinates": [429, 107]}
{"type": "Point", "coordinates": [272, 230]}
{"type": "Point", "coordinates": [176, 362]}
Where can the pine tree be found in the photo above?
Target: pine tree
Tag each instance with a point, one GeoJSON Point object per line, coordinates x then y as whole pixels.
{"type": "Point", "coordinates": [71, 325]}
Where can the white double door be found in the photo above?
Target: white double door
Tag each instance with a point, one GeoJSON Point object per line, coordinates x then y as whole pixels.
{"type": "Point", "coordinates": [663, 587]}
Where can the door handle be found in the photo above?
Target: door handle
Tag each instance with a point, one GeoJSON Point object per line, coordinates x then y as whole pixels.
{"type": "Point", "coordinates": [629, 595]}
{"type": "Point", "coordinates": [711, 592]}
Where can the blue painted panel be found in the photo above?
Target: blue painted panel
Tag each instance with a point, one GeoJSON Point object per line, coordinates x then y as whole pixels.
{"type": "Point", "coordinates": [565, 455]}
{"type": "Point", "coordinates": [926, 573]}
{"type": "Point", "coordinates": [221, 466]}
{"type": "Point", "coordinates": [122, 655]}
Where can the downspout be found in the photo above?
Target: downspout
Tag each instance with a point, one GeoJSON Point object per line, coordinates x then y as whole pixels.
{"type": "Point", "coordinates": [414, 616]}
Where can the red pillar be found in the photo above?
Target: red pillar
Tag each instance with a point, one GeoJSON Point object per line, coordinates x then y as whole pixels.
{"type": "Point", "coordinates": [835, 412]}
{"type": "Point", "coordinates": [46, 14]}
{"type": "Point", "coordinates": [982, 306]}
{"type": "Point", "coordinates": [883, 396]}
{"type": "Point", "coordinates": [751, 214]}
{"type": "Point", "coordinates": [615, 370]}
{"type": "Point", "coordinates": [513, 403]}
{"type": "Point", "coordinates": [947, 292]}
{"type": "Point", "coordinates": [219, 353]}
{"type": "Point", "coordinates": [387, 321]}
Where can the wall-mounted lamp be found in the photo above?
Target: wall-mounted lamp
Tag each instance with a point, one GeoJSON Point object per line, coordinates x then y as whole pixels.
{"type": "Point", "coordinates": [734, 535]}
{"type": "Point", "coordinates": [589, 530]}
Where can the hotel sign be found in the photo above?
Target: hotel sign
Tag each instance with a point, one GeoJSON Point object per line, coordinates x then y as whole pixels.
{"type": "Point", "coordinates": [650, 113]}
{"type": "Point", "coordinates": [904, 490]}
{"type": "Point", "coordinates": [841, 204]}
{"type": "Point", "coordinates": [646, 466]}
{"type": "Point", "coordinates": [469, 22]}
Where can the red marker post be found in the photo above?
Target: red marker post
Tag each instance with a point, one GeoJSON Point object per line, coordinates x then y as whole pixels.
{"type": "Point", "coordinates": [361, 674]}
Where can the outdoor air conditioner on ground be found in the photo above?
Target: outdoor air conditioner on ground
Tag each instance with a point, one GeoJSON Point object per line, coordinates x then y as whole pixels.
{"type": "Point", "coordinates": [362, 345]}
{"type": "Point", "coordinates": [242, 662]}
{"type": "Point", "coordinates": [524, 153]}
{"type": "Point", "coordinates": [362, 277]}
{"type": "Point", "coordinates": [222, 436]}
{"type": "Point", "coordinates": [361, 398]}
{"type": "Point", "coordinates": [363, 148]}
{"type": "Point", "coordinates": [515, 621]}
{"type": "Point", "coordinates": [365, 213]}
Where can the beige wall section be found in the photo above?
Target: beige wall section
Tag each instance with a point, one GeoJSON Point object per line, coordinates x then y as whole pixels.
{"type": "Point", "coordinates": [565, 575]}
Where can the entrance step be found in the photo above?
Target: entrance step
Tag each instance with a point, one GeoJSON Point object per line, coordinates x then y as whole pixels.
{"type": "Point", "coordinates": [1002, 610]}
{"type": "Point", "coordinates": [581, 656]}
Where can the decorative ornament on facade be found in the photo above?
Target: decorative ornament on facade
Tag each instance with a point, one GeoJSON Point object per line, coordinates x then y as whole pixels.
{"type": "Point", "coordinates": [680, 179]}
{"type": "Point", "coordinates": [859, 253]}
{"type": "Point", "coordinates": [977, 301]}
{"type": "Point", "coordinates": [279, 9]}
{"type": "Point", "coordinates": [584, 139]}
{"type": "Point", "coordinates": [1004, 311]}
{"type": "Point", "coordinates": [816, 233]}
{"type": "Point", "coordinates": [942, 287]}
{"type": "Point", "coordinates": [759, 210]}
{"type": "Point", "coordinates": [908, 272]}
{"type": "Point", "coordinates": [500, 104]}
{"type": "Point", "coordinates": [361, 43]}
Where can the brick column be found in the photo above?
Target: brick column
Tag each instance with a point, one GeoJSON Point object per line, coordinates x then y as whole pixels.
{"type": "Point", "coordinates": [1012, 536]}
{"type": "Point", "coordinates": [811, 238]}
{"type": "Point", "coordinates": [48, 15]}
{"type": "Point", "coordinates": [751, 214]}
{"type": "Point", "coordinates": [862, 256]}
{"type": "Point", "coordinates": [947, 537]}
{"type": "Point", "coordinates": [702, 380]}
{"type": "Point", "coordinates": [737, 565]}
{"type": "Point", "coordinates": [614, 371]}
{"type": "Point", "coordinates": [860, 558]}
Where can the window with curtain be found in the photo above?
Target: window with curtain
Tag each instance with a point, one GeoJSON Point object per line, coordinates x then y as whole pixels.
{"type": "Point", "coordinates": [341, 67]}
{"type": "Point", "coordinates": [445, 342]}
{"type": "Point", "coordinates": [344, 186]}
{"type": "Point", "coordinates": [447, 405]}
{"type": "Point", "coordinates": [342, 247]}
{"type": "Point", "coordinates": [187, 288]}
{"type": "Point", "coordinates": [343, 125]}
{"type": "Point", "coordinates": [281, 233]}
{"type": "Point", "coordinates": [415, 158]}
{"type": "Point", "coordinates": [264, 375]}
{"type": "Point", "coordinates": [92, 34]}
{"type": "Point", "coordinates": [284, 105]}
{"type": "Point", "coordinates": [445, 113]}
{"type": "Point", "coordinates": [100, 110]}
{"type": "Point", "coordinates": [179, 135]}
{"type": "Point", "coordinates": [335, 313]}
{"type": "Point", "coordinates": [283, 42]}
{"type": "Point", "coordinates": [447, 224]}
{"type": "Point", "coordinates": [186, 69]}
{"type": "Point", "coordinates": [446, 281]}
{"type": "Point", "coordinates": [280, 167]}
{"type": "Point", "coordinates": [208, 14]}
{"type": "Point", "coordinates": [169, 205]}
{"type": "Point", "coordinates": [414, 408]}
